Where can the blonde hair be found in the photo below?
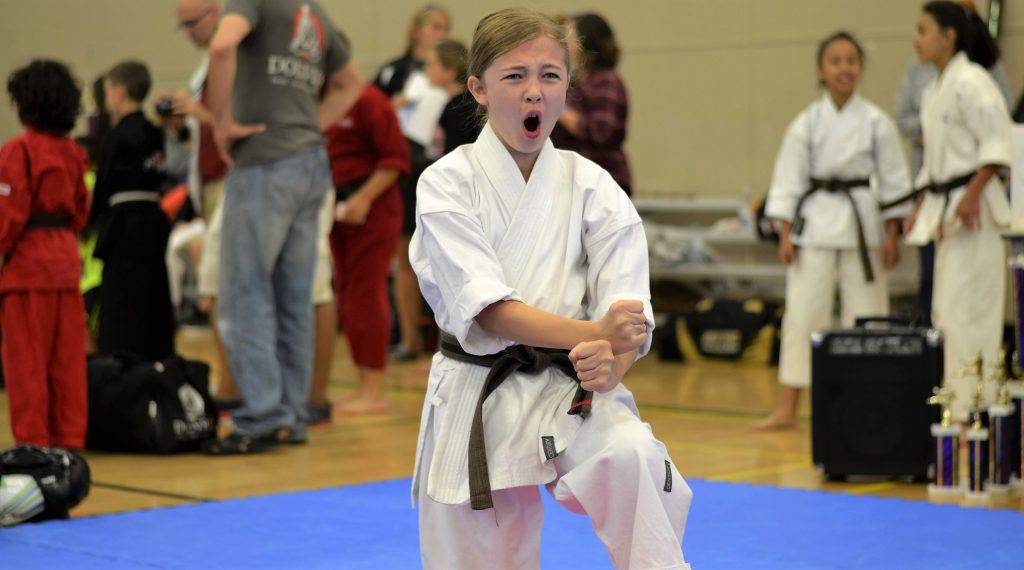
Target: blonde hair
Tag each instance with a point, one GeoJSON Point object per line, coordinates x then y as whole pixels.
{"type": "Point", "coordinates": [453, 55]}
{"type": "Point", "coordinates": [419, 18]}
{"type": "Point", "coordinates": [505, 30]}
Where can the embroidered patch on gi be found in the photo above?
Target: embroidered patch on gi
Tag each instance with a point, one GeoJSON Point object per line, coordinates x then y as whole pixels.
{"type": "Point", "coordinates": [668, 477]}
{"type": "Point", "coordinates": [549, 446]}
{"type": "Point", "coordinates": [5, 189]}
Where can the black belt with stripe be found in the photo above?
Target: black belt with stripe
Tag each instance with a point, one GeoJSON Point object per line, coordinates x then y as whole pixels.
{"type": "Point", "coordinates": [844, 186]}
{"type": "Point", "coordinates": [518, 358]}
{"type": "Point", "coordinates": [48, 221]}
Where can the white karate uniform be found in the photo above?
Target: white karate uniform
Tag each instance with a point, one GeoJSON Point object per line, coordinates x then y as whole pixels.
{"type": "Point", "coordinates": [858, 141]}
{"type": "Point", "coordinates": [568, 242]}
{"type": "Point", "coordinates": [966, 125]}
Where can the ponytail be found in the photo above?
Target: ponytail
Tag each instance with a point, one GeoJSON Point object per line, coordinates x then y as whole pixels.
{"type": "Point", "coordinates": [972, 35]}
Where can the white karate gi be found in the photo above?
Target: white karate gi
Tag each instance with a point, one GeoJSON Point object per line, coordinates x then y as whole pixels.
{"type": "Point", "coordinates": [966, 126]}
{"type": "Point", "coordinates": [568, 242]}
{"type": "Point", "coordinates": [858, 141]}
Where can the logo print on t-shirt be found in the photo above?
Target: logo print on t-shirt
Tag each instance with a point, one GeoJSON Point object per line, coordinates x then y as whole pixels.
{"type": "Point", "coordinates": [307, 35]}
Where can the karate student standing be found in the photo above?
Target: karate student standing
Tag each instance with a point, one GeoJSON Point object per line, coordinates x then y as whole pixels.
{"type": "Point", "coordinates": [43, 203]}
{"type": "Point", "coordinates": [525, 252]}
{"type": "Point", "coordinates": [966, 129]}
{"type": "Point", "coordinates": [832, 230]}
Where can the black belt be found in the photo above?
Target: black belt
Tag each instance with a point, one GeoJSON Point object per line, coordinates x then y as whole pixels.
{"type": "Point", "coordinates": [518, 358]}
{"type": "Point", "coordinates": [844, 186]}
{"type": "Point", "coordinates": [345, 191]}
{"type": "Point", "coordinates": [943, 188]}
{"type": "Point", "coordinates": [47, 221]}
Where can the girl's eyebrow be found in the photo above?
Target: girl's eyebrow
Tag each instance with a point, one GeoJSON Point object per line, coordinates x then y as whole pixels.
{"type": "Point", "coordinates": [525, 67]}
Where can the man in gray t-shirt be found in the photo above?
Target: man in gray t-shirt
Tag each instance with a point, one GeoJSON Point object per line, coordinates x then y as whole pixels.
{"type": "Point", "coordinates": [269, 63]}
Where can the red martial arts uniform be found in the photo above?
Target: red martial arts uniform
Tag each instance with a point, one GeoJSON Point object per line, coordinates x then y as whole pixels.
{"type": "Point", "coordinates": [43, 204]}
{"type": "Point", "coordinates": [365, 140]}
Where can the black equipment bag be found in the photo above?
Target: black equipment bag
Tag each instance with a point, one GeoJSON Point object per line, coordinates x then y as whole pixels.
{"type": "Point", "coordinates": [724, 329]}
{"type": "Point", "coordinates": [870, 384]}
{"type": "Point", "coordinates": [62, 475]}
{"type": "Point", "coordinates": [149, 407]}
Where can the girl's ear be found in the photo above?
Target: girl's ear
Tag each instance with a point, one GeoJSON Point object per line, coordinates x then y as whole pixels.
{"type": "Point", "coordinates": [949, 34]}
{"type": "Point", "coordinates": [477, 88]}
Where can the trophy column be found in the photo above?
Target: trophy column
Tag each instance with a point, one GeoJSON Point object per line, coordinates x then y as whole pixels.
{"type": "Point", "coordinates": [1014, 390]}
{"type": "Point", "coordinates": [978, 454]}
{"type": "Point", "coordinates": [945, 483]}
{"type": "Point", "coordinates": [1003, 426]}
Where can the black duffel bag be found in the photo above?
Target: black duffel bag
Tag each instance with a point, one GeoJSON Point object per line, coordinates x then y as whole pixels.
{"type": "Point", "coordinates": [149, 407]}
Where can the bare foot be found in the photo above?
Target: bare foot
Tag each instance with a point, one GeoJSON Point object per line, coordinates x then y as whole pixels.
{"type": "Point", "coordinates": [775, 421]}
{"type": "Point", "coordinates": [361, 405]}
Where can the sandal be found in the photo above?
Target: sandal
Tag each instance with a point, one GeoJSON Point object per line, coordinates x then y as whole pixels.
{"type": "Point", "coordinates": [286, 436]}
{"type": "Point", "coordinates": [235, 444]}
{"type": "Point", "coordinates": [319, 414]}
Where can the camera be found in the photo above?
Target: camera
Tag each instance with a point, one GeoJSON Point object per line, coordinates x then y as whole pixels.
{"type": "Point", "coordinates": [165, 107]}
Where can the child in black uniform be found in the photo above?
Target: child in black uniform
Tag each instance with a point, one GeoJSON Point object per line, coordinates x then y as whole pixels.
{"type": "Point", "coordinates": [445, 67]}
{"type": "Point", "coordinates": [135, 304]}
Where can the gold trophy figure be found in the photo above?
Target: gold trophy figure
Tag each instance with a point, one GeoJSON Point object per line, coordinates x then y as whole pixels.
{"type": "Point", "coordinates": [945, 470]}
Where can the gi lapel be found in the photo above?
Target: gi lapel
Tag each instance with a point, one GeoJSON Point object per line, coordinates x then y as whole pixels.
{"type": "Point", "coordinates": [529, 201]}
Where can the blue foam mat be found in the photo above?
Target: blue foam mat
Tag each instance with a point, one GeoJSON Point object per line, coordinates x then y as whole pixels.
{"type": "Point", "coordinates": [372, 526]}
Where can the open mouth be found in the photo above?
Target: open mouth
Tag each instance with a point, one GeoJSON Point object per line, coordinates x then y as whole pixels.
{"type": "Point", "coordinates": [532, 123]}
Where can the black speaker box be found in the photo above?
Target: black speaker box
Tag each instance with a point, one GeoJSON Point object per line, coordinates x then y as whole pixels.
{"type": "Point", "coordinates": [869, 388]}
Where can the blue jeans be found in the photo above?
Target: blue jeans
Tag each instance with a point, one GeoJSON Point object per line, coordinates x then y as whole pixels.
{"type": "Point", "coordinates": [265, 311]}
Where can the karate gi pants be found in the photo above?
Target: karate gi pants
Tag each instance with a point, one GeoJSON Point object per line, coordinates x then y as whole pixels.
{"type": "Point", "coordinates": [614, 471]}
{"type": "Point", "coordinates": [362, 261]}
{"type": "Point", "coordinates": [810, 296]}
{"type": "Point", "coordinates": [967, 305]}
{"type": "Point", "coordinates": [44, 366]}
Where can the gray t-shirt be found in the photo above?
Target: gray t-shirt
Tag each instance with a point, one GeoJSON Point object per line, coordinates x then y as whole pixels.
{"type": "Point", "coordinates": [282, 65]}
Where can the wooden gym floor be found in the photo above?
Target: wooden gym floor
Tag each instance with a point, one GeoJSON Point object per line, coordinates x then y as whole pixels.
{"type": "Point", "coordinates": [702, 412]}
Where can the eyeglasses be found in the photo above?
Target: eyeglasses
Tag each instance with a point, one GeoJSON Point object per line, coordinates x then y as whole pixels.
{"type": "Point", "coordinates": [189, 24]}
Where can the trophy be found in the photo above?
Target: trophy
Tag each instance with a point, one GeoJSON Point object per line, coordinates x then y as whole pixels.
{"type": "Point", "coordinates": [1005, 437]}
{"type": "Point", "coordinates": [978, 441]}
{"type": "Point", "coordinates": [946, 461]}
{"type": "Point", "coordinates": [1015, 390]}
{"type": "Point", "coordinates": [1016, 387]}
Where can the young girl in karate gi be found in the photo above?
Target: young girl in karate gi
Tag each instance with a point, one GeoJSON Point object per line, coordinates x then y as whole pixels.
{"type": "Point", "coordinates": [966, 130]}
{"type": "Point", "coordinates": [526, 253]}
{"type": "Point", "coordinates": [43, 204]}
{"type": "Point", "coordinates": [832, 230]}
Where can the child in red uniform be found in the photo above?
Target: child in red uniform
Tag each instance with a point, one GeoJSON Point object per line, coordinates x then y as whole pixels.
{"type": "Point", "coordinates": [43, 203]}
{"type": "Point", "coordinates": [368, 156]}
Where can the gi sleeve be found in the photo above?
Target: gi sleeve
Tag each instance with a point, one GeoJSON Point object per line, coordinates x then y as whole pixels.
{"type": "Point", "coordinates": [891, 165]}
{"type": "Point", "coordinates": [459, 271]}
{"type": "Point", "coordinates": [388, 141]}
{"type": "Point", "coordinates": [792, 171]}
{"type": "Point", "coordinates": [616, 248]}
{"type": "Point", "coordinates": [15, 193]}
{"type": "Point", "coordinates": [987, 118]}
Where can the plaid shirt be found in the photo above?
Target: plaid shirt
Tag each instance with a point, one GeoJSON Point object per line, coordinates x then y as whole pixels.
{"type": "Point", "coordinates": [603, 106]}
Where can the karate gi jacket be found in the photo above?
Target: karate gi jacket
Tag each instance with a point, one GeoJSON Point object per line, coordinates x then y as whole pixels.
{"type": "Point", "coordinates": [568, 242]}
{"type": "Point", "coordinates": [966, 125]}
{"type": "Point", "coordinates": [858, 141]}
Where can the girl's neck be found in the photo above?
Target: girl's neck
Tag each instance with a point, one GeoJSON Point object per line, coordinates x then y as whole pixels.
{"type": "Point", "coordinates": [840, 99]}
{"type": "Point", "coordinates": [943, 61]}
{"type": "Point", "coordinates": [419, 53]}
